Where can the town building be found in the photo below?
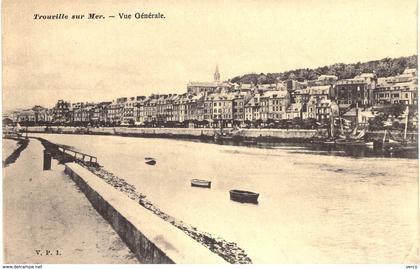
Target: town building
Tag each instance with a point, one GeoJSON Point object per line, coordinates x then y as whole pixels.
{"type": "Point", "coordinates": [294, 110]}
{"type": "Point", "coordinates": [321, 92]}
{"type": "Point", "coordinates": [60, 113]}
{"type": "Point", "coordinates": [351, 92]}
{"type": "Point", "coordinates": [139, 109]}
{"type": "Point", "coordinates": [398, 93]}
{"type": "Point", "coordinates": [128, 116]}
{"type": "Point", "coordinates": [99, 113]}
{"type": "Point", "coordinates": [400, 89]}
{"type": "Point", "coordinates": [278, 101]}
{"type": "Point", "coordinates": [149, 109]}
{"type": "Point", "coordinates": [208, 87]}
{"type": "Point", "coordinates": [81, 113]}
{"type": "Point", "coordinates": [253, 108]}
{"type": "Point", "coordinates": [27, 117]}
{"type": "Point", "coordinates": [238, 107]}
{"type": "Point", "coordinates": [115, 111]}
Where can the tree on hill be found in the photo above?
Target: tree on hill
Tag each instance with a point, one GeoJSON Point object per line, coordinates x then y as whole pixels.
{"type": "Point", "coordinates": [383, 68]}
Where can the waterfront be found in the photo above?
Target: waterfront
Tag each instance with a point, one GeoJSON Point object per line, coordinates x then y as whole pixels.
{"type": "Point", "coordinates": [313, 207]}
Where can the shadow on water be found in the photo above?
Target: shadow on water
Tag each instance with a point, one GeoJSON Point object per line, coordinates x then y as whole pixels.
{"type": "Point", "coordinates": [305, 147]}
{"type": "Point", "coordinates": [322, 149]}
{"type": "Point", "coordinates": [359, 151]}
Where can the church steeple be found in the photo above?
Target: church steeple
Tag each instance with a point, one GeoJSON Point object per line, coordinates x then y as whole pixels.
{"type": "Point", "coordinates": [217, 74]}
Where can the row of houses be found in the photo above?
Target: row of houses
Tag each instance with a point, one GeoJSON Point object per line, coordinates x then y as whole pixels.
{"type": "Point", "coordinates": [218, 102]}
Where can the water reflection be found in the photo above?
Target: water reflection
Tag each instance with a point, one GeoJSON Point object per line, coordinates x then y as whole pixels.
{"type": "Point", "coordinates": [353, 151]}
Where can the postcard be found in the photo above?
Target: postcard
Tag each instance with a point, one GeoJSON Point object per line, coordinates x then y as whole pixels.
{"type": "Point", "coordinates": [210, 132]}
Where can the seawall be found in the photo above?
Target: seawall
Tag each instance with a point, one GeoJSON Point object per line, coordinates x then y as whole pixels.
{"type": "Point", "coordinates": [208, 133]}
{"type": "Point", "coordinates": [203, 133]}
{"type": "Point", "coordinates": [149, 237]}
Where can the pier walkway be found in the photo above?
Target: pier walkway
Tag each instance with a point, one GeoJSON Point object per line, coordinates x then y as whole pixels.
{"type": "Point", "coordinates": [48, 220]}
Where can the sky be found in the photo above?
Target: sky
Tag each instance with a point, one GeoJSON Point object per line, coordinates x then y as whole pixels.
{"type": "Point", "coordinates": [100, 60]}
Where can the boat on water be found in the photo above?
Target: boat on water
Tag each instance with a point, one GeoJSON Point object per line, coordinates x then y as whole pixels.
{"type": "Point", "coordinates": [392, 143]}
{"type": "Point", "coordinates": [250, 142]}
{"type": "Point", "coordinates": [369, 144]}
{"type": "Point", "coordinates": [244, 196]}
{"type": "Point", "coordinates": [200, 183]}
{"type": "Point", "coordinates": [402, 147]}
{"type": "Point", "coordinates": [150, 161]}
{"type": "Point", "coordinates": [227, 137]}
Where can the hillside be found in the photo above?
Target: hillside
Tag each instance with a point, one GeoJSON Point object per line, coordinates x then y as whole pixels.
{"type": "Point", "coordinates": [383, 68]}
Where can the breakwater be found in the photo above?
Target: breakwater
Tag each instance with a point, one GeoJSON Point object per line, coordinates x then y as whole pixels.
{"type": "Point", "coordinates": [150, 238]}
{"type": "Point", "coordinates": [201, 133]}
{"type": "Point", "coordinates": [229, 251]}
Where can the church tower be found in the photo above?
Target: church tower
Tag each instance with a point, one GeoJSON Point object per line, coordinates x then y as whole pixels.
{"type": "Point", "coordinates": [217, 75]}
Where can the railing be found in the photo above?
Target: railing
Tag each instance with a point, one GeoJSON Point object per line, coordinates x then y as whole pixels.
{"type": "Point", "coordinates": [11, 134]}
{"type": "Point", "coordinates": [78, 155]}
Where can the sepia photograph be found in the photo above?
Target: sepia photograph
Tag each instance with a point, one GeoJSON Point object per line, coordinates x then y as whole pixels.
{"type": "Point", "coordinates": [210, 132]}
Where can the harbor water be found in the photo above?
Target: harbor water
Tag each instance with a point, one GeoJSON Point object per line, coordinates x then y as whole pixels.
{"type": "Point", "coordinates": [314, 207]}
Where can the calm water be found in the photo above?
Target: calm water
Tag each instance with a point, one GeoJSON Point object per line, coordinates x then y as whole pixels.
{"type": "Point", "coordinates": [313, 207]}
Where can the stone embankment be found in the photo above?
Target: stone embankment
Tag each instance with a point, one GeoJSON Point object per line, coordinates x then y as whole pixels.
{"type": "Point", "coordinates": [200, 133]}
{"type": "Point", "coordinates": [229, 251]}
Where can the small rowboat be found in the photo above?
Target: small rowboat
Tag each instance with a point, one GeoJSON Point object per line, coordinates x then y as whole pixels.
{"type": "Point", "coordinates": [244, 196]}
{"type": "Point", "coordinates": [150, 161]}
{"type": "Point", "coordinates": [200, 183]}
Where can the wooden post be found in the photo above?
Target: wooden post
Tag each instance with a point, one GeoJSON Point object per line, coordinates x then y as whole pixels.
{"type": "Point", "coordinates": [406, 123]}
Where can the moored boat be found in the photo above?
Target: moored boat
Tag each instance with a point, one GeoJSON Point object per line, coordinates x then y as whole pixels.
{"type": "Point", "coordinates": [200, 183]}
{"type": "Point", "coordinates": [150, 161]}
{"type": "Point", "coordinates": [369, 144]}
{"type": "Point", "coordinates": [244, 196]}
